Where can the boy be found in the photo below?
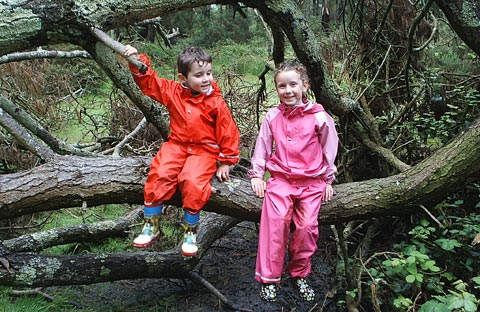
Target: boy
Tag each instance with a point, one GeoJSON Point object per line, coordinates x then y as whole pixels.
{"type": "Point", "coordinates": [202, 133]}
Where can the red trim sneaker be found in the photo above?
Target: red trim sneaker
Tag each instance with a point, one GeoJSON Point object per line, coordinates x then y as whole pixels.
{"type": "Point", "coordinates": [189, 245]}
{"type": "Point", "coordinates": [150, 233]}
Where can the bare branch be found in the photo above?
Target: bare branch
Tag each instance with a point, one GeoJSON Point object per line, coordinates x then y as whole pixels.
{"type": "Point", "coordinates": [141, 125]}
{"type": "Point", "coordinates": [42, 54]}
{"type": "Point", "coordinates": [23, 137]}
{"type": "Point", "coordinates": [36, 129]}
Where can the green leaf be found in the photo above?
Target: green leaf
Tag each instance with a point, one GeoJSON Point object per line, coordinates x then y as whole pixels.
{"type": "Point", "coordinates": [476, 279]}
{"type": "Point", "coordinates": [448, 244]}
{"type": "Point", "coordinates": [419, 277]}
{"type": "Point", "coordinates": [430, 265]}
{"type": "Point", "coordinates": [470, 306]}
{"type": "Point", "coordinates": [410, 278]}
{"type": "Point", "coordinates": [434, 306]}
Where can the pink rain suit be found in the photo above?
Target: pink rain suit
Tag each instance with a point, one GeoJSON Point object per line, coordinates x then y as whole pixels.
{"type": "Point", "coordinates": [298, 146]}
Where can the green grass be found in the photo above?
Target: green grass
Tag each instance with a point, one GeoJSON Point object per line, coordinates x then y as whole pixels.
{"type": "Point", "coordinates": [33, 303]}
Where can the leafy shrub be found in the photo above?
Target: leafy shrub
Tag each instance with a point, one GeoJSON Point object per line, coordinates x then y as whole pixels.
{"type": "Point", "coordinates": [436, 269]}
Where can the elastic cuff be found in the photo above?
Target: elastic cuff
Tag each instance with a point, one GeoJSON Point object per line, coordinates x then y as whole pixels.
{"type": "Point", "coordinates": [152, 211]}
{"type": "Point", "coordinates": [190, 218]}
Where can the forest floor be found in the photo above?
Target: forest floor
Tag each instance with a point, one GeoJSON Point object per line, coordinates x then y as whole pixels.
{"type": "Point", "coordinates": [229, 266]}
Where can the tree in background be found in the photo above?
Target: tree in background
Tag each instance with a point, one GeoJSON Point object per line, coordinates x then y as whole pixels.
{"type": "Point", "coordinates": [370, 66]}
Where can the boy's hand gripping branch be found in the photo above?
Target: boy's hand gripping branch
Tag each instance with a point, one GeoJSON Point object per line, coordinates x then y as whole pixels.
{"type": "Point", "coordinates": [119, 48]}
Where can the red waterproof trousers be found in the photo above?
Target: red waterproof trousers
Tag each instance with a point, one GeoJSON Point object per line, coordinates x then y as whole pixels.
{"type": "Point", "coordinates": [175, 166]}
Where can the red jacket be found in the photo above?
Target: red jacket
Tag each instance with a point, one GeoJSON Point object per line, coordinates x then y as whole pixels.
{"type": "Point", "coordinates": [203, 122]}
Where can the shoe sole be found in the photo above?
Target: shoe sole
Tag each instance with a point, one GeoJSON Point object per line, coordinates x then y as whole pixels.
{"type": "Point", "coordinates": [145, 245]}
{"type": "Point", "coordinates": [191, 254]}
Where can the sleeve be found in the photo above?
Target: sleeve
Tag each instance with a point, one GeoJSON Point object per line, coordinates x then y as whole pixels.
{"type": "Point", "coordinates": [329, 141]}
{"type": "Point", "coordinates": [263, 150]}
{"type": "Point", "coordinates": [150, 84]}
{"type": "Point", "coordinates": [228, 136]}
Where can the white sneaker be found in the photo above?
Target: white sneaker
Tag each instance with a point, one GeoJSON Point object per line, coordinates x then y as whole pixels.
{"type": "Point", "coordinates": [149, 234]}
{"type": "Point", "coordinates": [189, 246]}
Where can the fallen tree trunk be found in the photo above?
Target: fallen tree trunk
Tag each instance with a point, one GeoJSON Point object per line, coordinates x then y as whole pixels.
{"type": "Point", "coordinates": [33, 270]}
{"type": "Point", "coordinates": [69, 181]}
{"type": "Point", "coordinates": [93, 232]}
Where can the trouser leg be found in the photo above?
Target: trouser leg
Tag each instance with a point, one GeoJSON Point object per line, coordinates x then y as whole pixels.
{"type": "Point", "coordinates": [274, 231]}
{"type": "Point", "coordinates": [303, 241]}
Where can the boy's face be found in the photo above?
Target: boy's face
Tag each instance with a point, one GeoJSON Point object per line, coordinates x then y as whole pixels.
{"type": "Point", "coordinates": [199, 78]}
{"type": "Point", "coordinates": [290, 87]}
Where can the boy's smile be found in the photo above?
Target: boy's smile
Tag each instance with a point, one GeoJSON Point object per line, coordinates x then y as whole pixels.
{"type": "Point", "coordinates": [199, 79]}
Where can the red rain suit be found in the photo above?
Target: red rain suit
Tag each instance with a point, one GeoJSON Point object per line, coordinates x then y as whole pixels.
{"type": "Point", "coordinates": [298, 146]}
{"type": "Point", "coordinates": [202, 132]}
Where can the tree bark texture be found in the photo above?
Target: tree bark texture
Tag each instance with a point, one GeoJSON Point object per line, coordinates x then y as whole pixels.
{"type": "Point", "coordinates": [33, 270]}
{"type": "Point", "coordinates": [72, 181]}
{"type": "Point", "coordinates": [68, 181]}
{"type": "Point", "coordinates": [464, 16]}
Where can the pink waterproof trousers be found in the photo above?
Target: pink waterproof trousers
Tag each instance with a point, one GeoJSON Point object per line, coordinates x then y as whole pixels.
{"type": "Point", "coordinates": [294, 201]}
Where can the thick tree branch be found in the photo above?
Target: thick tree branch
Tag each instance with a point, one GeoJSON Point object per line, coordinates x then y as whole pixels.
{"type": "Point", "coordinates": [71, 180]}
{"type": "Point", "coordinates": [464, 17]}
{"type": "Point", "coordinates": [22, 117]}
{"type": "Point", "coordinates": [45, 270]}
{"type": "Point", "coordinates": [23, 137]}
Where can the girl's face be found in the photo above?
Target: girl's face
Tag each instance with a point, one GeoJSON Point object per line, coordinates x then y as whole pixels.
{"type": "Point", "coordinates": [290, 87]}
{"type": "Point", "coordinates": [199, 78]}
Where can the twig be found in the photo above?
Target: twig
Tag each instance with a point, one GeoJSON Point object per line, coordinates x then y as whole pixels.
{"type": "Point", "coordinates": [141, 125]}
{"type": "Point", "coordinates": [38, 291]}
{"type": "Point", "coordinates": [197, 278]}
{"type": "Point", "coordinates": [432, 216]}
{"type": "Point", "coordinates": [35, 291]}
{"type": "Point", "coordinates": [432, 35]}
{"type": "Point", "coordinates": [376, 74]}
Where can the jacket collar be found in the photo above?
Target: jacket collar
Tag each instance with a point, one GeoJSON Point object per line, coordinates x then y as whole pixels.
{"type": "Point", "coordinates": [307, 107]}
{"type": "Point", "coordinates": [214, 91]}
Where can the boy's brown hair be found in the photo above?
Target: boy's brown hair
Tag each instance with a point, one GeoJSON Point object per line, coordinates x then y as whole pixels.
{"type": "Point", "coordinates": [190, 55]}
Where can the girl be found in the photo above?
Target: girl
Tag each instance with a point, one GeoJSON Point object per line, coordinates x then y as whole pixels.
{"type": "Point", "coordinates": [297, 144]}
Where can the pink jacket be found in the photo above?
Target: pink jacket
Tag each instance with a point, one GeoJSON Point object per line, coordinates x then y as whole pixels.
{"type": "Point", "coordinates": [296, 143]}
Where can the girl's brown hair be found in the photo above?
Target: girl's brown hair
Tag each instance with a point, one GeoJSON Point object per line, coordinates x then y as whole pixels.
{"type": "Point", "coordinates": [292, 65]}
